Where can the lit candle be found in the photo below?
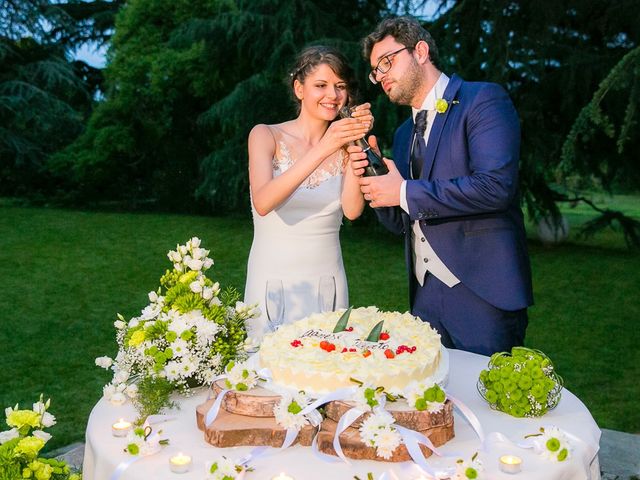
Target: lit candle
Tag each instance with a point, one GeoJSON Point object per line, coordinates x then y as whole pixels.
{"type": "Point", "coordinates": [282, 476]}
{"type": "Point", "coordinates": [121, 428]}
{"type": "Point", "coordinates": [510, 464]}
{"type": "Point", "coordinates": [180, 463]}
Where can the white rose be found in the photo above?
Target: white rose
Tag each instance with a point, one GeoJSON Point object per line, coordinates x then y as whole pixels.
{"type": "Point", "coordinates": [194, 242]}
{"type": "Point", "coordinates": [207, 293]}
{"type": "Point", "coordinates": [121, 376]}
{"type": "Point", "coordinates": [153, 297]}
{"type": "Point", "coordinates": [118, 398]}
{"type": "Point", "coordinates": [194, 264]}
{"type": "Point", "coordinates": [104, 362]}
{"type": "Point", "coordinates": [8, 435]}
{"type": "Point", "coordinates": [131, 391]}
{"type": "Point", "coordinates": [196, 287]}
{"type": "Point", "coordinates": [119, 324]}
{"type": "Point", "coordinates": [42, 435]}
{"type": "Point", "coordinates": [48, 420]}
{"type": "Point", "coordinates": [208, 263]}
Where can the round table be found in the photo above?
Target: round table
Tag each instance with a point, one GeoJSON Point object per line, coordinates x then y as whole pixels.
{"type": "Point", "coordinates": [104, 452]}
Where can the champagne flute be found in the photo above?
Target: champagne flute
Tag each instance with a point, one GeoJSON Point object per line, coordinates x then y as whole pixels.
{"type": "Point", "coordinates": [274, 303]}
{"type": "Point", "coordinates": [327, 294]}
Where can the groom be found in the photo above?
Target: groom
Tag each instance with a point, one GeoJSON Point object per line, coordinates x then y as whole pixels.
{"type": "Point", "coordinates": [452, 192]}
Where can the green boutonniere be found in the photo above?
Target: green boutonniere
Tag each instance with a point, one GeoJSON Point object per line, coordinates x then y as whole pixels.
{"type": "Point", "coordinates": [442, 105]}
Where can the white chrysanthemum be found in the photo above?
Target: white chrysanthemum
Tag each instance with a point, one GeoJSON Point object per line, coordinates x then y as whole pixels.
{"type": "Point", "coordinates": [223, 468]}
{"type": "Point", "coordinates": [188, 366]}
{"type": "Point", "coordinates": [241, 374]}
{"type": "Point", "coordinates": [172, 371]}
{"type": "Point", "coordinates": [179, 347]}
{"type": "Point", "coordinates": [415, 390]}
{"type": "Point", "coordinates": [374, 424]}
{"type": "Point", "coordinates": [361, 401]}
{"type": "Point", "coordinates": [8, 435]}
{"type": "Point", "coordinates": [179, 325]}
{"type": "Point", "coordinates": [554, 444]}
{"type": "Point", "coordinates": [134, 322]}
{"type": "Point", "coordinates": [387, 440]}
{"type": "Point", "coordinates": [474, 467]}
{"type": "Point", "coordinates": [207, 330]}
{"type": "Point", "coordinates": [287, 419]}
{"type": "Point", "coordinates": [104, 362]}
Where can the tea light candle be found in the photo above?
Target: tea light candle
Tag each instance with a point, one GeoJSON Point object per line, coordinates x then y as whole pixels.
{"type": "Point", "coordinates": [282, 476]}
{"type": "Point", "coordinates": [121, 428]}
{"type": "Point", "coordinates": [510, 464]}
{"type": "Point", "coordinates": [180, 463]}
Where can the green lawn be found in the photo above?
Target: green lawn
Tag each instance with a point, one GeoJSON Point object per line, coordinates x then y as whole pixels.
{"type": "Point", "coordinates": [65, 274]}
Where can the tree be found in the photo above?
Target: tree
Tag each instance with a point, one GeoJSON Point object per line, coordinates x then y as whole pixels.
{"type": "Point", "coordinates": [185, 83]}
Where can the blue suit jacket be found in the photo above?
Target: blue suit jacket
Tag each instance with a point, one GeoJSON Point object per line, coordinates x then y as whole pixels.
{"type": "Point", "coordinates": [466, 199]}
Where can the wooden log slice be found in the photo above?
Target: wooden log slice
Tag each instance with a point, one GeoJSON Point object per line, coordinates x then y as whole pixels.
{"type": "Point", "coordinates": [404, 415]}
{"type": "Point", "coordinates": [231, 430]}
{"type": "Point", "coordinates": [257, 402]}
{"type": "Point", "coordinates": [352, 445]}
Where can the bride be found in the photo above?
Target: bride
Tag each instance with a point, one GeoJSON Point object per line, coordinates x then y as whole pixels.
{"type": "Point", "coordinates": [300, 190]}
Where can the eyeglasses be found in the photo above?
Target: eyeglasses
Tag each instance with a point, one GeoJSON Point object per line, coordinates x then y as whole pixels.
{"type": "Point", "coordinates": [385, 64]}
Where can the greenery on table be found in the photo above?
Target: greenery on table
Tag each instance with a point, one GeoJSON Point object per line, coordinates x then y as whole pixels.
{"type": "Point", "coordinates": [65, 273]}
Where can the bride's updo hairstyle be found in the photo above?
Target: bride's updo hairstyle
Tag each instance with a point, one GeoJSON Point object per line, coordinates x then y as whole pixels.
{"type": "Point", "coordinates": [311, 57]}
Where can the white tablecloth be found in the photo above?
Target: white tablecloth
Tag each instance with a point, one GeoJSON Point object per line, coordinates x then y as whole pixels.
{"type": "Point", "coordinates": [104, 453]}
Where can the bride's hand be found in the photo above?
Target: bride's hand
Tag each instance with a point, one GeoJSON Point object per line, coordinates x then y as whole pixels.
{"type": "Point", "coordinates": [363, 114]}
{"type": "Point", "coordinates": [342, 132]}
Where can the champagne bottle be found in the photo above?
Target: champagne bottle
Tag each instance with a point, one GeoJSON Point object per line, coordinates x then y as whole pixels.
{"type": "Point", "coordinates": [376, 165]}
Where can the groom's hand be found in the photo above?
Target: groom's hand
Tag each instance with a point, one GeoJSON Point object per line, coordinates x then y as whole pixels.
{"type": "Point", "coordinates": [383, 191]}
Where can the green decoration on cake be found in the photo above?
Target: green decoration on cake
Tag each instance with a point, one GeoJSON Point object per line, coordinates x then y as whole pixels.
{"type": "Point", "coordinates": [341, 326]}
{"type": "Point", "coordinates": [522, 383]}
{"type": "Point", "coordinates": [374, 336]}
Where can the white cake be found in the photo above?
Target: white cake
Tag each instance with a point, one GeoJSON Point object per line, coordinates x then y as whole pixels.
{"type": "Point", "coordinates": [306, 355]}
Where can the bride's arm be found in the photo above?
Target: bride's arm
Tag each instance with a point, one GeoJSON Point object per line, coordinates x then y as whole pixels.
{"type": "Point", "coordinates": [269, 192]}
{"type": "Point", "coordinates": [352, 198]}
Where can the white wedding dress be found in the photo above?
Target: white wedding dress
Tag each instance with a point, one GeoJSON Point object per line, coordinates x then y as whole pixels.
{"type": "Point", "coordinates": [298, 242]}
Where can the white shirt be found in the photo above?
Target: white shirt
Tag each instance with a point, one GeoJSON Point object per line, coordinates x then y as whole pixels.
{"type": "Point", "coordinates": [424, 257]}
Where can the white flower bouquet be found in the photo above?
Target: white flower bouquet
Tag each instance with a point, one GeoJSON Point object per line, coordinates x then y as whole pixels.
{"type": "Point", "coordinates": [190, 330]}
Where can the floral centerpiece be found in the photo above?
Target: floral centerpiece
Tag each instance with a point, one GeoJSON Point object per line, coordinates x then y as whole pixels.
{"type": "Point", "coordinates": [20, 446]}
{"type": "Point", "coordinates": [190, 330]}
{"type": "Point", "coordinates": [522, 383]}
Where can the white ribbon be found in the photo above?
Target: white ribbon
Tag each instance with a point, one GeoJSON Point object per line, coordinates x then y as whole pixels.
{"type": "Point", "coordinates": [469, 416]}
{"type": "Point", "coordinates": [122, 467]}
{"type": "Point", "coordinates": [345, 421]}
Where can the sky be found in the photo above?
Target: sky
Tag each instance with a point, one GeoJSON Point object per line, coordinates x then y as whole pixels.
{"type": "Point", "coordinates": [96, 57]}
